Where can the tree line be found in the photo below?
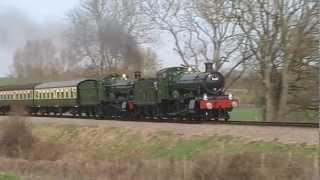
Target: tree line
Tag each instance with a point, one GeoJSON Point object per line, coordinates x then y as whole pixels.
{"type": "Point", "coordinates": [274, 41]}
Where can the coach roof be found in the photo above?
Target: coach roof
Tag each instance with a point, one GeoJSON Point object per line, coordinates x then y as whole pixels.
{"type": "Point", "coordinates": [18, 87]}
{"type": "Point", "coordinates": [58, 84]}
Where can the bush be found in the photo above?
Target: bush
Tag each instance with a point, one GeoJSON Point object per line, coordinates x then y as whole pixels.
{"type": "Point", "coordinates": [17, 141]}
{"type": "Point", "coordinates": [16, 137]}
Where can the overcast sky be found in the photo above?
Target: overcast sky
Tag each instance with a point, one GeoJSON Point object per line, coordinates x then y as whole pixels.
{"type": "Point", "coordinates": [35, 13]}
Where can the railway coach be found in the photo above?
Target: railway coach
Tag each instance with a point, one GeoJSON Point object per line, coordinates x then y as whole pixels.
{"type": "Point", "coordinates": [16, 98]}
{"type": "Point", "coordinates": [75, 97]}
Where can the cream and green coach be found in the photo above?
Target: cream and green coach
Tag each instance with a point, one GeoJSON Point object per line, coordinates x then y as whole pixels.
{"type": "Point", "coordinates": [16, 98]}
{"type": "Point", "coordinates": [74, 97]}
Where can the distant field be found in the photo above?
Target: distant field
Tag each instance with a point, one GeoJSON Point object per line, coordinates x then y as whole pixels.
{"type": "Point", "coordinates": [246, 114]}
{"type": "Point", "coordinates": [255, 114]}
{"type": "Point", "coordinates": [7, 81]}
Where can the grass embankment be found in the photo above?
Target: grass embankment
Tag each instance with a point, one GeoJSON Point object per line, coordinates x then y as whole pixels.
{"type": "Point", "coordinates": [102, 152]}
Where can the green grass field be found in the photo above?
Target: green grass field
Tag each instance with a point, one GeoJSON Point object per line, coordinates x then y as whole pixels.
{"type": "Point", "coordinates": [6, 81]}
{"type": "Point", "coordinates": [8, 176]}
{"type": "Point", "coordinates": [246, 114]}
{"type": "Point", "coordinates": [255, 114]}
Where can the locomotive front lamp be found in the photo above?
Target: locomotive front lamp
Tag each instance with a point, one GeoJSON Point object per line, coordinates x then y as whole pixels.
{"type": "Point", "coordinates": [235, 103]}
{"type": "Point", "coordinates": [209, 105]}
{"type": "Point", "coordinates": [230, 96]}
{"type": "Point", "coordinates": [124, 76]}
{"type": "Point", "coordinates": [205, 97]}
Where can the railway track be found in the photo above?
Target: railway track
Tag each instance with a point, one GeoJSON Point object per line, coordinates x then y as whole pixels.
{"type": "Point", "coordinates": [209, 122]}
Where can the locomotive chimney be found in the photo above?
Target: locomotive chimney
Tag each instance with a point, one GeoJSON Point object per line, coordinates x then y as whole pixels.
{"type": "Point", "coordinates": [209, 67]}
{"type": "Point", "coordinates": [137, 75]}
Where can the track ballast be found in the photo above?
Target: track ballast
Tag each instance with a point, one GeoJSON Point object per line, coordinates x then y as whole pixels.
{"type": "Point", "coordinates": [209, 122]}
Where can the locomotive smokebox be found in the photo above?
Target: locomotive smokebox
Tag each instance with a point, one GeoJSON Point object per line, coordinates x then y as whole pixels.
{"type": "Point", "coordinates": [209, 67]}
{"type": "Point", "coordinates": [137, 75]}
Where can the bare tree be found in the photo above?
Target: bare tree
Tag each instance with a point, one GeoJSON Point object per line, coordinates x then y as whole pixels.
{"type": "Point", "coordinates": [276, 31]}
{"type": "Point", "coordinates": [202, 31]}
{"type": "Point", "coordinates": [107, 33]}
{"type": "Point", "coordinates": [38, 60]}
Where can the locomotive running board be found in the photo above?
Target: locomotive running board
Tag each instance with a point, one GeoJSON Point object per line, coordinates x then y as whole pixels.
{"type": "Point", "coordinates": [183, 112]}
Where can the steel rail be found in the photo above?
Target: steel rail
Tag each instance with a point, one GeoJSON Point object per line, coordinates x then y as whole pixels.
{"type": "Point", "coordinates": [178, 121]}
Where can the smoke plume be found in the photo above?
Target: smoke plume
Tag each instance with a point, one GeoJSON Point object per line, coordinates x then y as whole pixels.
{"type": "Point", "coordinates": [118, 41]}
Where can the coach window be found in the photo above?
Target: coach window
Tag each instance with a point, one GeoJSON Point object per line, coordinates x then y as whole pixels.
{"type": "Point", "coordinates": [67, 94]}
{"type": "Point", "coordinates": [73, 94]}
